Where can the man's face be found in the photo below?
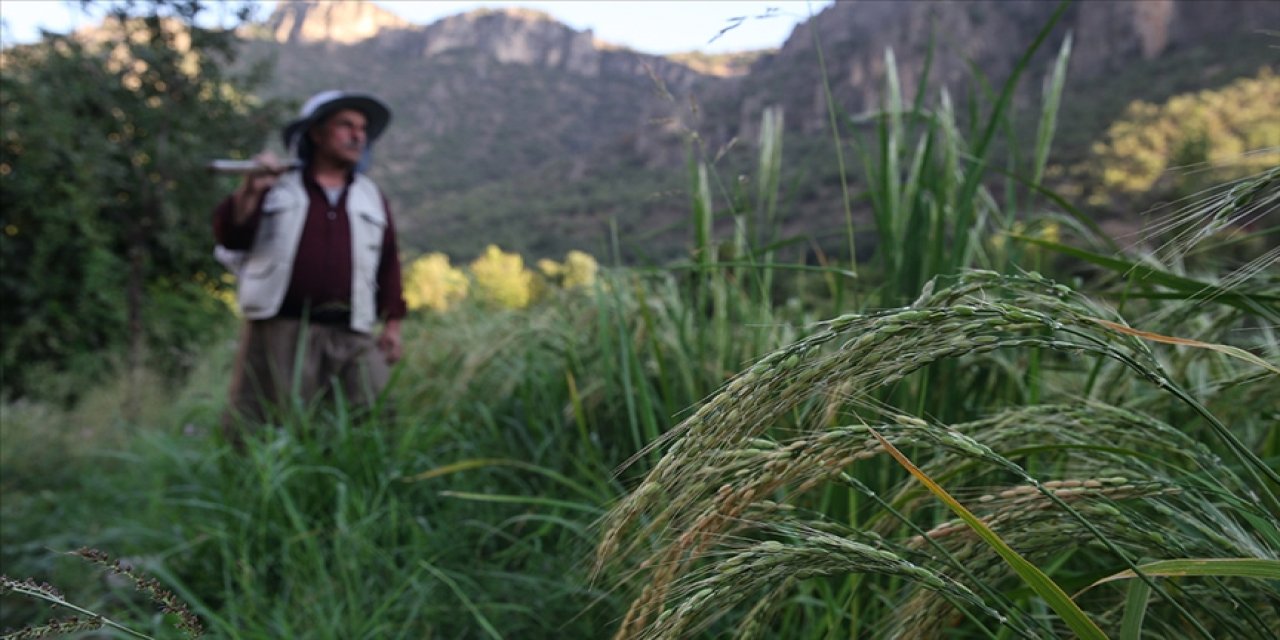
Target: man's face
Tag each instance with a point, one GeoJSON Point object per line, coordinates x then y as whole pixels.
{"type": "Point", "coordinates": [341, 137]}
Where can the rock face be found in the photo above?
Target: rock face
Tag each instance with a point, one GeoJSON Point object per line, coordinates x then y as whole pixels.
{"type": "Point", "coordinates": [342, 21]}
{"type": "Point", "coordinates": [507, 36]}
{"type": "Point", "coordinates": [515, 37]}
{"type": "Point", "coordinates": [1111, 33]}
{"type": "Point", "coordinates": [990, 34]}
{"type": "Point", "coordinates": [479, 99]}
{"type": "Point", "coordinates": [854, 34]}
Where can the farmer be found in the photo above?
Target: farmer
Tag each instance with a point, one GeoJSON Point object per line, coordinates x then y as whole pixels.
{"type": "Point", "coordinates": [319, 267]}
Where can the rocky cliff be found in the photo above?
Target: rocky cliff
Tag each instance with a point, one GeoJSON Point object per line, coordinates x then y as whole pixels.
{"type": "Point", "coordinates": [341, 21]}
{"type": "Point", "coordinates": [512, 36]}
{"type": "Point", "coordinates": [987, 34]}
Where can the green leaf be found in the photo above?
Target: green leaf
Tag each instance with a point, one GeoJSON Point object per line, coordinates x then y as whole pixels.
{"type": "Point", "coordinates": [1135, 610]}
{"type": "Point", "coordinates": [1263, 568]}
{"type": "Point", "coordinates": [528, 500]}
{"type": "Point", "coordinates": [1252, 302]}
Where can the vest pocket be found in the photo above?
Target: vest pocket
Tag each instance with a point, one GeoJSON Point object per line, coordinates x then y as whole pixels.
{"type": "Point", "coordinates": [370, 251]}
{"type": "Point", "coordinates": [372, 220]}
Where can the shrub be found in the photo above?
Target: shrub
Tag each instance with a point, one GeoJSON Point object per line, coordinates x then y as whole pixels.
{"type": "Point", "coordinates": [431, 283]}
{"type": "Point", "coordinates": [501, 279]}
{"type": "Point", "coordinates": [1232, 130]}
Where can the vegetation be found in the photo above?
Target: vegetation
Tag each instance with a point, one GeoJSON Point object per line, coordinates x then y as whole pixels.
{"type": "Point", "coordinates": [1203, 137]}
{"type": "Point", "coordinates": [497, 278]}
{"type": "Point", "coordinates": [105, 245]}
{"type": "Point", "coordinates": [1000, 425]}
{"type": "Point", "coordinates": [432, 283]}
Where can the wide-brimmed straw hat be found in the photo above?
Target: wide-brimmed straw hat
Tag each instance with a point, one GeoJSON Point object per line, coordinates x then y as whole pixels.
{"type": "Point", "coordinates": [319, 106]}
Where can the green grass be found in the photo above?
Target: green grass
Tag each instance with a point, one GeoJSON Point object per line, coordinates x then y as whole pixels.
{"type": "Point", "coordinates": [477, 496]}
{"type": "Point", "coordinates": [472, 510]}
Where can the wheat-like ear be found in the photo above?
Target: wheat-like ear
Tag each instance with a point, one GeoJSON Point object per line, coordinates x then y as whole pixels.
{"type": "Point", "coordinates": [148, 586]}
{"type": "Point", "coordinates": [747, 570]}
{"type": "Point", "coordinates": [847, 361]}
{"type": "Point", "coordinates": [29, 587]}
{"type": "Point", "coordinates": [1226, 207]}
{"type": "Point", "coordinates": [89, 620]}
{"type": "Point", "coordinates": [59, 627]}
{"type": "Point", "coordinates": [45, 592]}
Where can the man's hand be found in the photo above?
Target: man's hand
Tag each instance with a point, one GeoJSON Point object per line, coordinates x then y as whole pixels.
{"type": "Point", "coordinates": [255, 184]}
{"type": "Point", "coordinates": [389, 342]}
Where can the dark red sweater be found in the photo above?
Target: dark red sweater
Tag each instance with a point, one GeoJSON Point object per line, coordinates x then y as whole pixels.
{"type": "Point", "coordinates": [322, 268]}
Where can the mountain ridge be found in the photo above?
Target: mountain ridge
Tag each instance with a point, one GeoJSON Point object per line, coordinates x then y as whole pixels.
{"type": "Point", "coordinates": [515, 128]}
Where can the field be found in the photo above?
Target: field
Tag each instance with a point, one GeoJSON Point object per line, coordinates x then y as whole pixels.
{"type": "Point", "coordinates": [1004, 423]}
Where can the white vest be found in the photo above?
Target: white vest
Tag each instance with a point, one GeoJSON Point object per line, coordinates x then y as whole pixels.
{"type": "Point", "coordinates": [268, 268]}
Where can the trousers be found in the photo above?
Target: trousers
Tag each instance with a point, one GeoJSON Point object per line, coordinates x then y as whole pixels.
{"type": "Point", "coordinates": [281, 361]}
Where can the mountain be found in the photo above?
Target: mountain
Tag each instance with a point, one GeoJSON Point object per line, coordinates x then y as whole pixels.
{"type": "Point", "coordinates": [341, 22]}
{"type": "Point", "coordinates": [511, 127]}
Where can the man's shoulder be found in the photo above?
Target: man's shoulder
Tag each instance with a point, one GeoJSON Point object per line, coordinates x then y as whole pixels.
{"type": "Point", "coordinates": [367, 187]}
{"type": "Point", "coordinates": [291, 179]}
{"type": "Point", "coordinates": [287, 191]}
{"type": "Point", "coordinates": [362, 181]}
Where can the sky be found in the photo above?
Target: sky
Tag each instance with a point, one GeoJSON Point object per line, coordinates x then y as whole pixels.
{"type": "Point", "coordinates": [650, 26]}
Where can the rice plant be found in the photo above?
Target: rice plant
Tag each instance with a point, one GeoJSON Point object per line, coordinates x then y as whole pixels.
{"type": "Point", "coordinates": [1067, 438]}
{"type": "Point", "coordinates": [89, 620]}
{"type": "Point", "coordinates": [728, 509]}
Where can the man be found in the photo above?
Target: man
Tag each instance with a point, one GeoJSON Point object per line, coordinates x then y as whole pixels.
{"type": "Point", "coordinates": [319, 266]}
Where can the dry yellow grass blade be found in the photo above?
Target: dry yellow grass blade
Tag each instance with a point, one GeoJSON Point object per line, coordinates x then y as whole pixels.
{"type": "Point", "coordinates": [1228, 350]}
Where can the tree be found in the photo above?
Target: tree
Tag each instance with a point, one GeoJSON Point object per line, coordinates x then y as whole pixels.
{"type": "Point", "coordinates": [1190, 142]}
{"type": "Point", "coordinates": [106, 246]}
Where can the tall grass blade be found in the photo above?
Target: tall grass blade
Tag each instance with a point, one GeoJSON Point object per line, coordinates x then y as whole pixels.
{"type": "Point", "coordinates": [1261, 568]}
{"type": "Point", "coordinates": [1085, 220]}
{"type": "Point", "coordinates": [466, 601]}
{"type": "Point", "coordinates": [769, 176]}
{"type": "Point", "coordinates": [1257, 302]}
{"type": "Point", "coordinates": [839, 144]}
{"type": "Point", "coordinates": [702, 219]}
{"type": "Point", "coordinates": [966, 198]}
{"type": "Point", "coordinates": [1135, 610]}
{"type": "Point", "coordinates": [514, 499]}
{"type": "Point", "coordinates": [480, 463]}
{"type": "Point", "coordinates": [922, 86]}
{"type": "Point", "coordinates": [1049, 114]}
